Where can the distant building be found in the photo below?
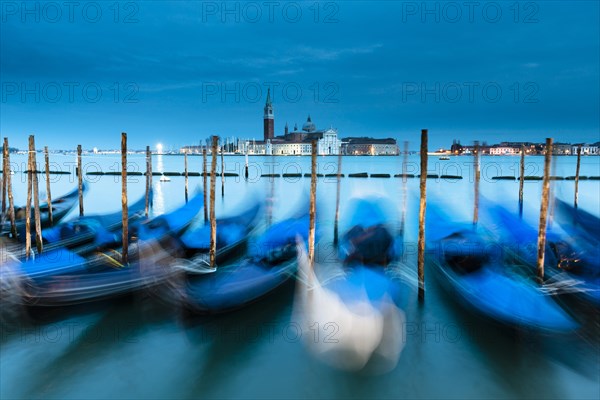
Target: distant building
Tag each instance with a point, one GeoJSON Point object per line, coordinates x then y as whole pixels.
{"type": "Point", "coordinates": [503, 150]}
{"type": "Point", "coordinates": [456, 147]}
{"type": "Point", "coordinates": [268, 119]}
{"type": "Point", "coordinates": [369, 146]}
{"type": "Point", "coordinates": [191, 150]}
{"type": "Point", "coordinates": [561, 149]}
{"type": "Point", "coordinates": [586, 149]}
{"type": "Point", "coordinates": [296, 142]}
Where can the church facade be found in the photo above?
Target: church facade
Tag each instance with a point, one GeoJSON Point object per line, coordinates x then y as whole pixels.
{"type": "Point", "coordinates": [295, 142]}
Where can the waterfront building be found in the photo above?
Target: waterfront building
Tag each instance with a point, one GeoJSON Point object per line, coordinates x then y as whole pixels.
{"type": "Point", "coordinates": [562, 149]}
{"type": "Point", "coordinates": [503, 150]}
{"type": "Point", "coordinates": [586, 149]}
{"type": "Point", "coordinates": [370, 146]}
{"type": "Point", "coordinates": [296, 142]}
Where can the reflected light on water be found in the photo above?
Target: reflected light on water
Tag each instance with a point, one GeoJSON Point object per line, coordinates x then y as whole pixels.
{"type": "Point", "coordinates": [159, 197]}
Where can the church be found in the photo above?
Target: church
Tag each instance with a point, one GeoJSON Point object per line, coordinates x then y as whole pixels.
{"type": "Point", "coordinates": [296, 142]}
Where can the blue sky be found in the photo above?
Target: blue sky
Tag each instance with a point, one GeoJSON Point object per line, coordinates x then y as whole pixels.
{"type": "Point", "coordinates": [177, 72]}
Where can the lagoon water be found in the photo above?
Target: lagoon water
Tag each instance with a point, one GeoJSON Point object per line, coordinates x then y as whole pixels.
{"type": "Point", "coordinates": [140, 347]}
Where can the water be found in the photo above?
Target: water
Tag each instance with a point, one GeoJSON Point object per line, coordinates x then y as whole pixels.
{"type": "Point", "coordinates": [141, 347]}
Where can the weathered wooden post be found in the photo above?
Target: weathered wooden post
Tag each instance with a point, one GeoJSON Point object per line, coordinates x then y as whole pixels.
{"type": "Point", "coordinates": [477, 175]}
{"type": "Point", "coordinates": [5, 172]}
{"type": "Point", "coordinates": [246, 165]}
{"type": "Point", "coordinates": [124, 209]}
{"type": "Point", "coordinates": [80, 180]}
{"type": "Point", "coordinates": [186, 174]}
{"type": "Point", "coordinates": [148, 180]}
{"type": "Point", "coordinates": [271, 198]}
{"type": "Point", "coordinates": [422, 208]}
{"type": "Point", "coordinates": [28, 204]}
{"type": "Point", "coordinates": [313, 205]}
{"type": "Point", "coordinates": [222, 173]}
{"type": "Point", "coordinates": [213, 221]}
{"type": "Point", "coordinates": [36, 196]}
{"type": "Point", "coordinates": [11, 203]}
{"type": "Point", "coordinates": [48, 192]}
{"type": "Point", "coordinates": [337, 199]}
{"type": "Point", "coordinates": [404, 187]}
{"type": "Point", "coordinates": [521, 180]}
{"type": "Point", "coordinates": [551, 199]}
{"type": "Point", "coordinates": [544, 211]}
{"type": "Point", "coordinates": [204, 176]}
{"type": "Point", "coordinates": [577, 176]}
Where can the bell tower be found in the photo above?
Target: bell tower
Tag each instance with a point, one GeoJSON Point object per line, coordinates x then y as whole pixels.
{"type": "Point", "coordinates": [268, 118]}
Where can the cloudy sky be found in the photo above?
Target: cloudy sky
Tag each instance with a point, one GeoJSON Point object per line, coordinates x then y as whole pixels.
{"type": "Point", "coordinates": [177, 72]}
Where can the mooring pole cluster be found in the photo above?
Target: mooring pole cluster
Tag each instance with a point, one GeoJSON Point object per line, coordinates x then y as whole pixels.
{"type": "Point", "coordinates": [33, 203]}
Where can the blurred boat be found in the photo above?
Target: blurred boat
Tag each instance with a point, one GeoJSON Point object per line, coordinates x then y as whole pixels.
{"type": "Point", "coordinates": [572, 256]}
{"type": "Point", "coordinates": [469, 268]}
{"type": "Point", "coordinates": [352, 305]}
{"type": "Point", "coordinates": [61, 206]}
{"type": "Point", "coordinates": [232, 236]}
{"type": "Point", "coordinates": [269, 263]}
{"type": "Point", "coordinates": [576, 220]}
{"type": "Point", "coordinates": [99, 230]}
{"type": "Point", "coordinates": [62, 277]}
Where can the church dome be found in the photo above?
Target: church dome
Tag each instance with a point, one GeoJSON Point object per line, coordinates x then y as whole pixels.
{"type": "Point", "coordinates": [309, 126]}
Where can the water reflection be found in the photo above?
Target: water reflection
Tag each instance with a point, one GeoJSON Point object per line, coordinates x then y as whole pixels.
{"type": "Point", "coordinates": [157, 186]}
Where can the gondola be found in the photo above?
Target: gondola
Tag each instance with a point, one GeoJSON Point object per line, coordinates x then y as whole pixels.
{"type": "Point", "coordinates": [575, 220]}
{"type": "Point", "coordinates": [353, 303]}
{"type": "Point", "coordinates": [61, 206]}
{"type": "Point", "coordinates": [62, 277]}
{"type": "Point", "coordinates": [468, 267]}
{"type": "Point", "coordinates": [270, 262]}
{"type": "Point", "coordinates": [572, 256]}
{"type": "Point", "coordinates": [100, 230]}
{"type": "Point", "coordinates": [232, 235]}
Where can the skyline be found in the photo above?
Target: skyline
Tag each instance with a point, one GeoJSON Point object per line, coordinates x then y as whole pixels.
{"type": "Point", "coordinates": [177, 73]}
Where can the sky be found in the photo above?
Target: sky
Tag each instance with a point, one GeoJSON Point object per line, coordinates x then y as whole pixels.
{"type": "Point", "coordinates": [177, 72]}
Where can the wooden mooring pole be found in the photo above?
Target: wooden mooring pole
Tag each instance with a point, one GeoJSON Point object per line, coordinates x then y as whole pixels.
{"type": "Point", "coordinates": [213, 221]}
{"type": "Point", "coordinates": [36, 196]}
{"type": "Point", "coordinates": [271, 198]}
{"type": "Point", "coordinates": [477, 175]}
{"type": "Point", "coordinates": [313, 205]}
{"type": "Point", "coordinates": [576, 201]}
{"type": "Point", "coordinates": [246, 165]}
{"type": "Point", "coordinates": [185, 166]}
{"type": "Point", "coordinates": [48, 192]}
{"type": "Point", "coordinates": [5, 172]}
{"type": "Point", "coordinates": [404, 187]}
{"type": "Point", "coordinates": [148, 180]}
{"type": "Point", "coordinates": [205, 189]}
{"type": "Point", "coordinates": [28, 204]}
{"type": "Point", "coordinates": [11, 203]}
{"type": "Point", "coordinates": [124, 209]}
{"type": "Point", "coordinates": [337, 200]}
{"type": "Point", "coordinates": [521, 180]}
{"type": "Point", "coordinates": [544, 211]}
{"type": "Point", "coordinates": [80, 180]}
{"type": "Point", "coordinates": [222, 173]}
{"type": "Point", "coordinates": [551, 199]}
{"type": "Point", "coordinates": [422, 208]}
